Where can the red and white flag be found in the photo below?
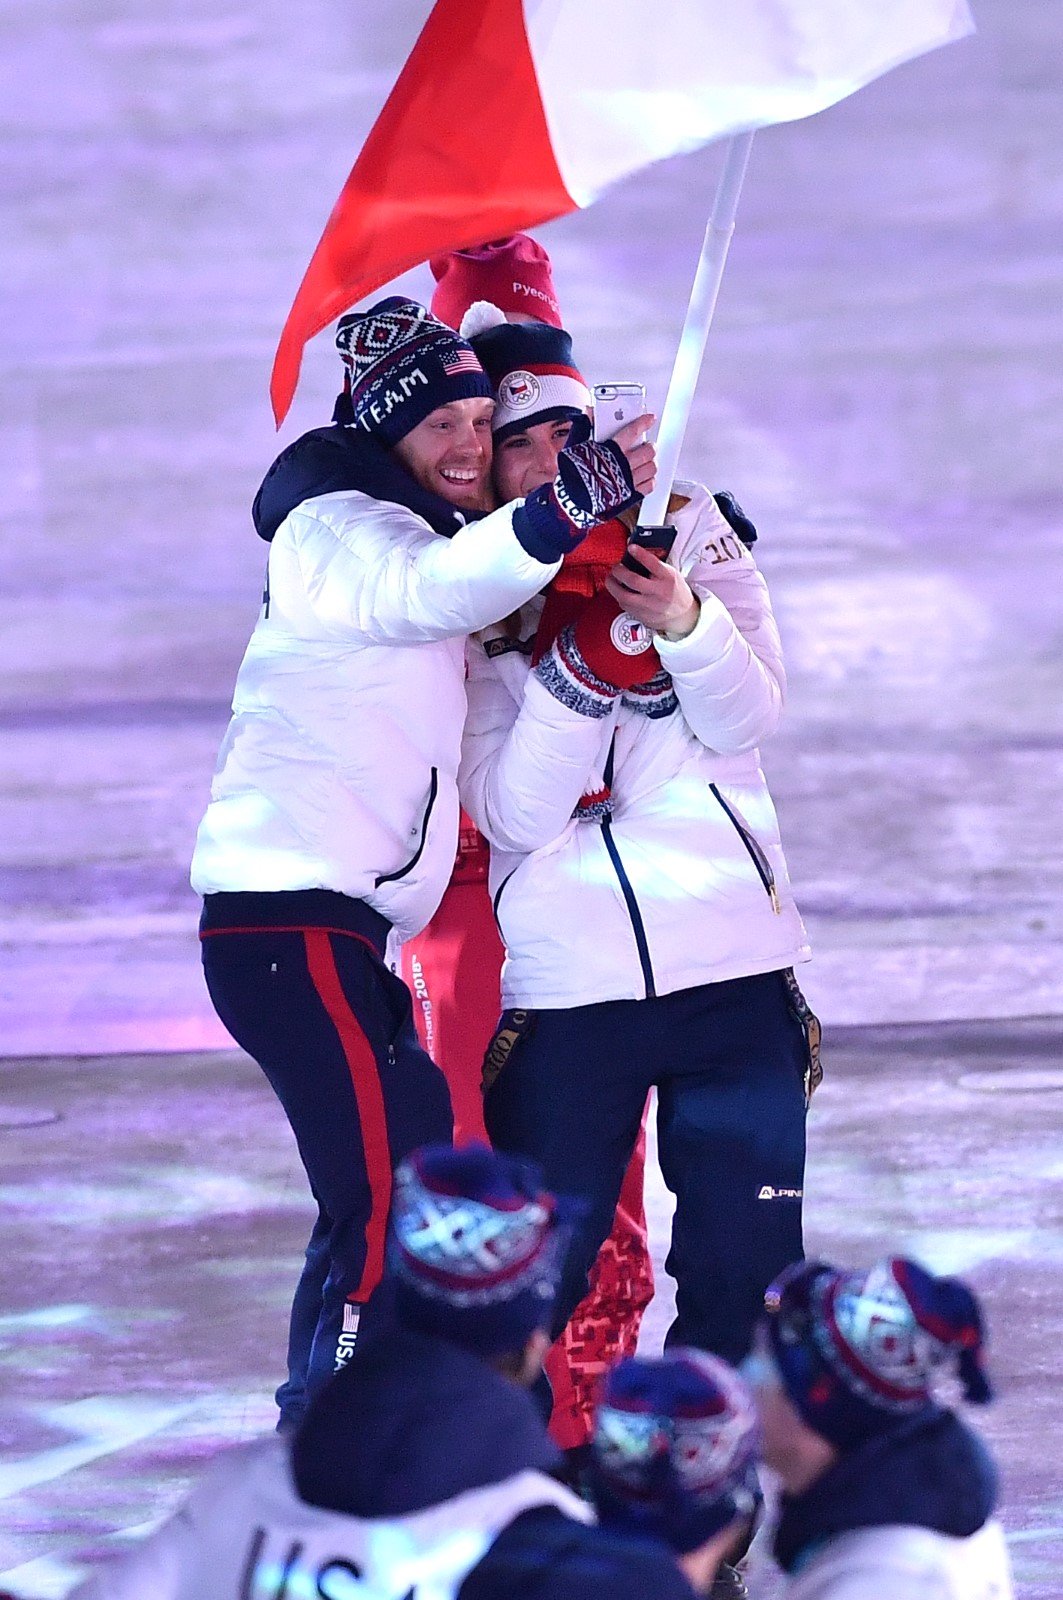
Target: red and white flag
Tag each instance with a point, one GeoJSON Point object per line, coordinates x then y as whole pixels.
{"type": "Point", "coordinates": [511, 112]}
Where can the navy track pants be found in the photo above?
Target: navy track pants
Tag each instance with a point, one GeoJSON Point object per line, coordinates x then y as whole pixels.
{"type": "Point", "coordinates": [331, 1027]}
{"type": "Point", "coordinates": [728, 1062]}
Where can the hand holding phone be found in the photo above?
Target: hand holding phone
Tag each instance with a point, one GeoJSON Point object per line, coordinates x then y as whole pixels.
{"type": "Point", "coordinates": [658, 596]}
{"type": "Point", "coordinates": [615, 405]}
{"type": "Point", "coordinates": [659, 540]}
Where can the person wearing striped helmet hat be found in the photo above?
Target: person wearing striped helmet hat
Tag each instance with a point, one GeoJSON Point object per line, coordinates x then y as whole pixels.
{"type": "Point", "coordinates": [886, 1492]}
{"type": "Point", "coordinates": [674, 1458]}
{"type": "Point", "coordinates": [610, 758]}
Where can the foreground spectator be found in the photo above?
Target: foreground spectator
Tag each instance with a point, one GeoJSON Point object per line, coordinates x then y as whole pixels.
{"type": "Point", "coordinates": [887, 1494]}
{"type": "Point", "coordinates": [673, 1458]}
{"type": "Point", "coordinates": [423, 1467]}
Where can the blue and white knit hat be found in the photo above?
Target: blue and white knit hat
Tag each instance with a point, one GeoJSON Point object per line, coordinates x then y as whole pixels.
{"type": "Point", "coordinates": [400, 365]}
{"type": "Point", "coordinates": [858, 1350]}
{"type": "Point", "coordinates": [675, 1448]}
{"type": "Point", "coordinates": [532, 371]}
{"type": "Point", "coordinates": [476, 1247]}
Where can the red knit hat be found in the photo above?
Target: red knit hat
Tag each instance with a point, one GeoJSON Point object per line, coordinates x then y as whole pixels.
{"type": "Point", "coordinates": [513, 273]}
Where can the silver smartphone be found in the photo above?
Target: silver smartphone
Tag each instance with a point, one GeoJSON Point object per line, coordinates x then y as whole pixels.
{"type": "Point", "coordinates": [616, 404]}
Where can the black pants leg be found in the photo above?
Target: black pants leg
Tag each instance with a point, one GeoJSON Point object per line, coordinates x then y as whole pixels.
{"type": "Point", "coordinates": [731, 1142]}
{"type": "Point", "coordinates": [728, 1061]}
{"type": "Point", "coordinates": [305, 1315]}
{"type": "Point", "coordinates": [332, 1029]}
{"type": "Point", "coordinates": [571, 1095]}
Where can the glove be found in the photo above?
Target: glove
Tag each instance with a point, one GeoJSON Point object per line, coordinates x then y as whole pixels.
{"type": "Point", "coordinates": [593, 485]}
{"type": "Point", "coordinates": [733, 514]}
{"type": "Point", "coordinates": [597, 657]}
{"type": "Point", "coordinates": [617, 649]}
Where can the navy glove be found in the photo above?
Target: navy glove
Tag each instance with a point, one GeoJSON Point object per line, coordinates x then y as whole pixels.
{"type": "Point", "coordinates": [733, 514]}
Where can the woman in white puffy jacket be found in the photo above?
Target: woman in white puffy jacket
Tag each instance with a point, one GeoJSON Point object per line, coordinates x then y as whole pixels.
{"type": "Point", "coordinates": [639, 883]}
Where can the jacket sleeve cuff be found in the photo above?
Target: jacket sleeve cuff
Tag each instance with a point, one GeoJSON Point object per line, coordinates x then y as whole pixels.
{"type": "Point", "coordinates": [544, 533]}
{"type": "Point", "coordinates": [564, 672]}
{"type": "Point", "coordinates": [706, 641]}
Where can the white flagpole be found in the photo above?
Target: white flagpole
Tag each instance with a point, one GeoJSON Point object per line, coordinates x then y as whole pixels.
{"type": "Point", "coordinates": [688, 359]}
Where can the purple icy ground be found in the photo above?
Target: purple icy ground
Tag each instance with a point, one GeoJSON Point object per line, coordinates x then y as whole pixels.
{"type": "Point", "coordinates": [152, 1215]}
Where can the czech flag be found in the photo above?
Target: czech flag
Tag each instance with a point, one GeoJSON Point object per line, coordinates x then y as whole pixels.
{"type": "Point", "coordinates": [511, 112]}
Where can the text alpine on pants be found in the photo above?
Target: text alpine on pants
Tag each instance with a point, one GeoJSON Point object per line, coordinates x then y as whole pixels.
{"type": "Point", "coordinates": [728, 1061]}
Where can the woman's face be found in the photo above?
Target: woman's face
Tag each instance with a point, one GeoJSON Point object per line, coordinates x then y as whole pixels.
{"type": "Point", "coordinates": [450, 453]}
{"type": "Point", "coordinates": [525, 461]}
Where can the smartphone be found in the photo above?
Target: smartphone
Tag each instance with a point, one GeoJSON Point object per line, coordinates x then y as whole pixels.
{"type": "Point", "coordinates": [659, 540]}
{"type": "Point", "coordinates": [616, 404]}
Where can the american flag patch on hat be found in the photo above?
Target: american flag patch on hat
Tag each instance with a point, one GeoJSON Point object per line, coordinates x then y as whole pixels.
{"type": "Point", "coordinates": [460, 360]}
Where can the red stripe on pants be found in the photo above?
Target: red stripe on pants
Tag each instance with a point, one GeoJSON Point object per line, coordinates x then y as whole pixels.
{"type": "Point", "coordinates": [369, 1095]}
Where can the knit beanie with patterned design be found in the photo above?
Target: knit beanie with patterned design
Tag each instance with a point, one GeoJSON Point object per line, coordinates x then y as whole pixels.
{"type": "Point", "coordinates": [856, 1351]}
{"type": "Point", "coordinates": [401, 364]}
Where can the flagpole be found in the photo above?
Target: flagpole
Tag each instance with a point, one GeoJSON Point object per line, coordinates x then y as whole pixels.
{"type": "Point", "coordinates": [691, 351]}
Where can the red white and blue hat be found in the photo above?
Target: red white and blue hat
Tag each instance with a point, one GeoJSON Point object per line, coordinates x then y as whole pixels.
{"type": "Point", "coordinates": [858, 1350]}
{"type": "Point", "coordinates": [476, 1246]}
{"type": "Point", "coordinates": [531, 369]}
{"type": "Point", "coordinates": [675, 1448]}
{"type": "Point", "coordinates": [401, 364]}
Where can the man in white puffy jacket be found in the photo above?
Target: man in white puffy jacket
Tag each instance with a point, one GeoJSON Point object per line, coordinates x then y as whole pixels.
{"type": "Point", "coordinates": [334, 812]}
{"type": "Point", "coordinates": [886, 1494]}
{"type": "Point", "coordinates": [610, 759]}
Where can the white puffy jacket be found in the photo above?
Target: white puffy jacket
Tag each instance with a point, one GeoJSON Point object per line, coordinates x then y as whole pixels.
{"type": "Point", "coordinates": [686, 883]}
{"type": "Point", "coordinates": [338, 768]}
{"type": "Point", "coordinates": [906, 1563]}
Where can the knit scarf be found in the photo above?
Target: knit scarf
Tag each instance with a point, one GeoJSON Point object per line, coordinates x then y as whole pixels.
{"type": "Point", "coordinates": [582, 574]}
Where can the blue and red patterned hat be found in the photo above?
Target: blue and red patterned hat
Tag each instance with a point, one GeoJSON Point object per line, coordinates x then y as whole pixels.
{"type": "Point", "coordinates": [532, 371]}
{"type": "Point", "coordinates": [476, 1247]}
{"type": "Point", "coordinates": [400, 365]}
{"type": "Point", "coordinates": [675, 1448]}
{"type": "Point", "coordinates": [858, 1350]}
